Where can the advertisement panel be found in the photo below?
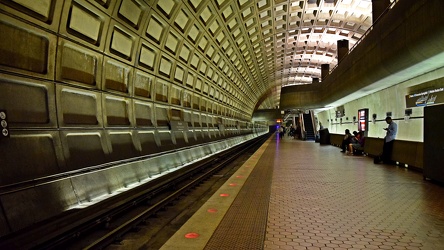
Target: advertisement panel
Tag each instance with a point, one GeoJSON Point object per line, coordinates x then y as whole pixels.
{"type": "Point", "coordinates": [429, 97]}
{"type": "Point", "coordinates": [363, 120]}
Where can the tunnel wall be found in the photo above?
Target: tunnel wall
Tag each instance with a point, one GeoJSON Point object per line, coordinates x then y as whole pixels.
{"type": "Point", "coordinates": [392, 100]}
{"type": "Point", "coordinates": [89, 83]}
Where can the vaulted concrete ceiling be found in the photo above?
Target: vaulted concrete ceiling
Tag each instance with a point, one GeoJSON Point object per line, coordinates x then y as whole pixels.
{"type": "Point", "coordinates": [297, 37]}
{"type": "Point", "coordinates": [285, 42]}
{"type": "Point", "coordinates": [277, 43]}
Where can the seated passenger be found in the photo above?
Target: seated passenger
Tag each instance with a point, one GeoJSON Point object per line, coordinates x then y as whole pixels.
{"type": "Point", "coordinates": [358, 144]}
{"type": "Point", "coordinates": [346, 140]}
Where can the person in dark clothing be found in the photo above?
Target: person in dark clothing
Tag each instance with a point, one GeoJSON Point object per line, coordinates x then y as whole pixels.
{"type": "Point", "coordinates": [281, 132]}
{"type": "Point", "coordinates": [346, 140]}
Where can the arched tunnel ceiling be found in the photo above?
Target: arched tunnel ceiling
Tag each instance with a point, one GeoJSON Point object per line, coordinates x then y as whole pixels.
{"type": "Point", "coordinates": [283, 42]}
{"type": "Point", "coordinates": [305, 35]}
{"type": "Point", "coordinates": [238, 53]}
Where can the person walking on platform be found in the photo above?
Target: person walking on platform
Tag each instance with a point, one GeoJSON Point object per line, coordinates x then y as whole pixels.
{"type": "Point", "coordinates": [281, 132]}
{"type": "Point", "coordinates": [389, 139]}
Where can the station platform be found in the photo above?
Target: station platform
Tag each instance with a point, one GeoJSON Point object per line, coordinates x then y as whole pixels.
{"type": "Point", "coordinates": [294, 194]}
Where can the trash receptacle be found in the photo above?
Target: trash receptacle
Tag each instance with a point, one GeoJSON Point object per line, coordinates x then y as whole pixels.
{"type": "Point", "coordinates": [324, 136]}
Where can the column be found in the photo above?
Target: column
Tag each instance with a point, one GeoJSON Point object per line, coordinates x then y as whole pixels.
{"type": "Point", "coordinates": [315, 80]}
{"type": "Point", "coordinates": [378, 7]}
{"type": "Point", "coordinates": [325, 70]}
{"type": "Point", "coordinates": [342, 49]}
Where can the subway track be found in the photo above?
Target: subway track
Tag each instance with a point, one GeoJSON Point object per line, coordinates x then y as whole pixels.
{"type": "Point", "coordinates": [150, 217]}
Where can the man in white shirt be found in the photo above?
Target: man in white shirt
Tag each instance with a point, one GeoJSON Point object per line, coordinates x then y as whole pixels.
{"type": "Point", "coordinates": [389, 139]}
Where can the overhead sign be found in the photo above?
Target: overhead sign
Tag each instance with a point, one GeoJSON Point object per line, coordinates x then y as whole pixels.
{"type": "Point", "coordinates": [425, 98]}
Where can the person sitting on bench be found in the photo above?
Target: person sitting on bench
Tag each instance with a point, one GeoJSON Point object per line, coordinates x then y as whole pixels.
{"type": "Point", "coordinates": [358, 146]}
{"type": "Point", "coordinates": [347, 140]}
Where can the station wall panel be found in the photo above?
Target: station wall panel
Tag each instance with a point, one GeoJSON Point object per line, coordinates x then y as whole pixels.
{"type": "Point", "coordinates": [187, 117]}
{"type": "Point", "coordinates": [186, 99]}
{"type": "Point", "coordinates": [203, 120]}
{"type": "Point", "coordinates": [172, 42]}
{"type": "Point", "coordinates": [191, 136]}
{"type": "Point", "coordinates": [162, 90]}
{"type": "Point", "coordinates": [175, 95]}
{"type": "Point", "coordinates": [117, 110]}
{"type": "Point", "coordinates": [28, 50]}
{"type": "Point", "coordinates": [149, 142]}
{"type": "Point", "coordinates": [29, 155]}
{"type": "Point", "coordinates": [203, 104]}
{"type": "Point", "coordinates": [43, 13]}
{"type": "Point", "coordinates": [107, 6]}
{"type": "Point", "coordinates": [200, 135]}
{"type": "Point", "coordinates": [166, 67]}
{"type": "Point", "coordinates": [166, 139]}
{"type": "Point", "coordinates": [180, 138]}
{"type": "Point", "coordinates": [77, 107]}
{"type": "Point", "coordinates": [167, 8]}
{"type": "Point", "coordinates": [117, 76]}
{"type": "Point", "coordinates": [156, 28]}
{"type": "Point", "coordinates": [84, 23]}
{"type": "Point", "coordinates": [161, 115]}
{"type": "Point", "coordinates": [142, 84]}
{"type": "Point", "coordinates": [143, 112]}
{"type": "Point", "coordinates": [78, 65]}
{"type": "Point", "coordinates": [196, 102]}
{"type": "Point", "coordinates": [121, 42]}
{"type": "Point", "coordinates": [184, 56]}
{"type": "Point", "coordinates": [123, 145]}
{"type": "Point", "coordinates": [196, 119]}
{"type": "Point", "coordinates": [132, 14]}
{"type": "Point", "coordinates": [179, 74]}
{"type": "Point", "coordinates": [84, 148]}
{"type": "Point", "coordinates": [29, 103]}
{"type": "Point", "coordinates": [148, 56]}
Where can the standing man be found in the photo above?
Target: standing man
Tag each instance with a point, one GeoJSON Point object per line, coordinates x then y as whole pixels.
{"type": "Point", "coordinates": [389, 139]}
{"type": "Point", "coordinates": [281, 132]}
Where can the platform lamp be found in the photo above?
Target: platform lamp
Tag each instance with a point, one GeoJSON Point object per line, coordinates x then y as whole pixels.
{"type": "Point", "coordinates": [374, 118]}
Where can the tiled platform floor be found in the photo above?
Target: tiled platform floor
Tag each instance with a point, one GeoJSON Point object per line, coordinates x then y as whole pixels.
{"type": "Point", "coordinates": [323, 199]}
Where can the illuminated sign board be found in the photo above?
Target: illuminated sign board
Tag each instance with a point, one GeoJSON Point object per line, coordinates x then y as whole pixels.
{"type": "Point", "coordinates": [363, 120]}
{"type": "Point", "coordinates": [430, 97]}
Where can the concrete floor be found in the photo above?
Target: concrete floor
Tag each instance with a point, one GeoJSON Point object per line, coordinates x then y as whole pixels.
{"type": "Point", "coordinates": [320, 198]}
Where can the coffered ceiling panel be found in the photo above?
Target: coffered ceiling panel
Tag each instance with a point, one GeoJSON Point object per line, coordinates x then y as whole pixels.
{"type": "Point", "coordinates": [270, 44]}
